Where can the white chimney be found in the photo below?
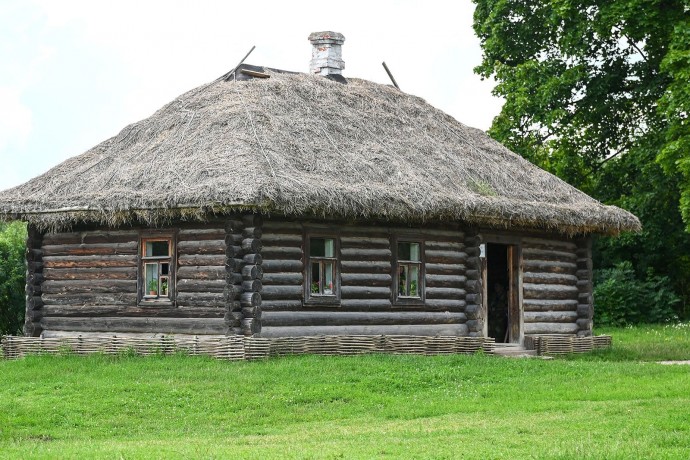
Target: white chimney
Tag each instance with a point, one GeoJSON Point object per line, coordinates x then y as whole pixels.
{"type": "Point", "coordinates": [326, 54]}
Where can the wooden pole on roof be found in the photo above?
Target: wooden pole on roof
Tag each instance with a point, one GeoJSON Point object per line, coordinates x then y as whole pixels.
{"type": "Point", "coordinates": [390, 75]}
{"type": "Point", "coordinates": [227, 76]}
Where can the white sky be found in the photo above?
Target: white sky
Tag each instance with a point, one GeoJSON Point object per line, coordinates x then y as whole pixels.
{"type": "Point", "coordinates": [74, 73]}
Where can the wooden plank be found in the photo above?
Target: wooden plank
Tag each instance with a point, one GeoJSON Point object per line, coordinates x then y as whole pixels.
{"type": "Point", "coordinates": [281, 252]}
{"type": "Point", "coordinates": [128, 298]}
{"type": "Point", "coordinates": [88, 286]}
{"type": "Point", "coordinates": [363, 242]}
{"type": "Point", "coordinates": [445, 246]}
{"type": "Point", "coordinates": [121, 273]}
{"type": "Point", "coordinates": [549, 305]}
{"type": "Point", "coordinates": [550, 316]}
{"type": "Point", "coordinates": [366, 304]}
{"type": "Point", "coordinates": [365, 254]}
{"type": "Point", "coordinates": [90, 261]}
{"type": "Point", "coordinates": [549, 278]}
{"type": "Point", "coordinates": [411, 329]}
{"type": "Point", "coordinates": [201, 272]}
{"type": "Point", "coordinates": [280, 305]}
{"type": "Point", "coordinates": [549, 291]}
{"type": "Point", "coordinates": [283, 279]}
{"type": "Point", "coordinates": [201, 247]}
{"type": "Point", "coordinates": [366, 279]}
{"type": "Point", "coordinates": [271, 292]}
{"type": "Point", "coordinates": [281, 266]}
{"type": "Point", "coordinates": [198, 234]}
{"type": "Point", "coordinates": [127, 248]}
{"type": "Point", "coordinates": [282, 240]}
{"type": "Point", "coordinates": [449, 281]}
{"type": "Point", "coordinates": [546, 266]}
{"type": "Point", "coordinates": [551, 328]}
{"type": "Point", "coordinates": [91, 237]}
{"type": "Point", "coordinates": [150, 325]}
{"type": "Point", "coordinates": [355, 266]}
{"type": "Point", "coordinates": [540, 243]}
{"type": "Point", "coordinates": [206, 260]}
{"type": "Point", "coordinates": [444, 269]}
{"type": "Point", "coordinates": [132, 311]}
{"type": "Point", "coordinates": [444, 293]}
{"type": "Point", "coordinates": [343, 318]}
{"type": "Point", "coordinates": [548, 254]}
{"type": "Point", "coordinates": [365, 292]}
{"type": "Point", "coordinates": [444, 257]}
{"type": "Point", "coordinates": [201, 285]}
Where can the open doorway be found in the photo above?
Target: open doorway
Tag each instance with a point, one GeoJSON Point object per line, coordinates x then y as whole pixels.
{"type": "Point", "coordinates": [503, 310]}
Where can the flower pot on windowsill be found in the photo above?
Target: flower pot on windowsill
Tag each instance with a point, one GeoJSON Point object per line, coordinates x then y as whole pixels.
{"type": "Point", "coordinates": [152, 293]}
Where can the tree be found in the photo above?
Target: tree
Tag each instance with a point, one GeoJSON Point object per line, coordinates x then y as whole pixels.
{"type": "Point", "coordinates": [596, 92]}
{"type": "Point", "coordinates": [12, 277]}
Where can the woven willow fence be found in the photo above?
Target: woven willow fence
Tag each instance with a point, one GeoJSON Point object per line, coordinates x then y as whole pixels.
{"type": "Point", "coordinates": [240, 348]}
{"type": "Point", "coordinates": [553, 345]}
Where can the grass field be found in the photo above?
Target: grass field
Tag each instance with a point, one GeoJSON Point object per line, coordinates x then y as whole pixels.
{"type": "Point", "coordinates": [616, 404]}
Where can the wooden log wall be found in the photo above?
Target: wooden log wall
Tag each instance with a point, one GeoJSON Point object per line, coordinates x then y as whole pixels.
{"type": "Point", "coordinates": [550, 286]}
{"type": "Point", "coordinates": [34, 279]}
{"type": "Point", "coordinates": [585, 303]}
{"type": "Point", "coordinates": [201, 298]}
{"type": "Point", "coordinates": [247, 235]}
{"type": "Point", "coordinates": [88, 274]}
{"type": "Point", "coordinates": [474, 284]}
{"type": "Point", "coordinates": [367, 300]}
{"type": "Point", "coordinates": [90, 283]}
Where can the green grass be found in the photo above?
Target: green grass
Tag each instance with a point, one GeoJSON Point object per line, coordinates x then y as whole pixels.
{"type": "Point", "coordinates": [348, 407]}
{"type": "Point", "coordinates": [648, 342]}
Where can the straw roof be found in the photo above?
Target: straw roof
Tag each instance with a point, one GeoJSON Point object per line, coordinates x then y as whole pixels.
{"type": "Point", "coordinates": [304, 145]}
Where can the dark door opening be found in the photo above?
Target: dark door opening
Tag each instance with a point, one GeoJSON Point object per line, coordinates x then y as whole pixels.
{"type": "Point", "coordinates": [503, 311]}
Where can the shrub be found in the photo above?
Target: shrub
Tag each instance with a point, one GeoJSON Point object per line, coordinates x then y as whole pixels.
{"type": "Point", "coordinates": [12, 277]}
{"type": "Point", "coordinates": [621, 298]}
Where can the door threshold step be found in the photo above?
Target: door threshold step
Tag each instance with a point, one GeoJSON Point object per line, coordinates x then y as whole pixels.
{"type": "Point", "coordinates": [514, 351]}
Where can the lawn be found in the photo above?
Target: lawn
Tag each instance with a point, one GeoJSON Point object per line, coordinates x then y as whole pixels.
{"type": "Point", "coordinates": [607, 405]}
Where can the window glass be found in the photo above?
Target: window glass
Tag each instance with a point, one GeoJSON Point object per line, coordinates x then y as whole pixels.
{"type": "Point", "coordinates": [409, 251]}
{"type": "Point", "coordinates": [322, 247]}
{"type": "Point", "coordinates": [157, 248]}
{"type": "Point", "coordinates": [151, 279]}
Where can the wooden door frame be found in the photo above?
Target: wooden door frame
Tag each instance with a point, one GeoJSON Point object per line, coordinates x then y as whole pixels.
{"type": "Point", "coordinates": [515, 306]}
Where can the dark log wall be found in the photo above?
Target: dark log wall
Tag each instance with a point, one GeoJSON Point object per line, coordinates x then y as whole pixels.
{"type": "Point", "coordinates": [585, 305]}
{"type": "Point", "coordinates": [90, 283]}
{"type": "Point", "coordinates": [200, 287]}
{"type": "Point", "coordinates": [474, 284]}
{"type": "Point", "coordinates": [550, 286]}
{"type": "Point", "coordinates": [34, 281]}
{"type": "Point", "coordinates": [367, 302]}
{"type": "Point", "coordinates": [245, 275]}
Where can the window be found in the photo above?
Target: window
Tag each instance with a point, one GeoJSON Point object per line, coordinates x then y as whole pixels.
{"type": "Point", "coordinates": [409, 277]}
{"type": "Point", "coordinates": [156, 260]}
{"type": "Point", "coordinates": [322, 270]}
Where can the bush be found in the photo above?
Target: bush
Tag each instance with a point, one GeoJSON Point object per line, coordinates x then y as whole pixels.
{"type": "Point", "coordinates": [621, 298]}
{"type": "Point", "coordinates": [12, 277]}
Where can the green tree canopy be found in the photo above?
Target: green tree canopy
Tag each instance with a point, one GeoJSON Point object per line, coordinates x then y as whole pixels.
{"type": "Point", "coordinates": [12, 277]}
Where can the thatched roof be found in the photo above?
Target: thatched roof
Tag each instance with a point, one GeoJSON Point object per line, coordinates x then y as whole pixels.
{"type": "Point", "coordinates": [306, 145]}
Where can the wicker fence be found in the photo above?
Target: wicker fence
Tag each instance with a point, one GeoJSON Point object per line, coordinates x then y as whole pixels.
{"type": "Point", "coordinates": [554, 345]}
{"type": "Point", "coordinates": [240, 348]}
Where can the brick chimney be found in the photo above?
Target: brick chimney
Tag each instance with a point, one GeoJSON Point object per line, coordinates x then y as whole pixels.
{"type": "Point", "coordinates": [326, 54]}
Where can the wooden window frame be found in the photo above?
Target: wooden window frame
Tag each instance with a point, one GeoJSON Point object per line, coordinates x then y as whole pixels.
{"type": "Point", "coordinates": [321, 299]}
{"type": "Point", "coordinates": [399, 300]}
{"type": "Point", "coordinates": [144, 297]}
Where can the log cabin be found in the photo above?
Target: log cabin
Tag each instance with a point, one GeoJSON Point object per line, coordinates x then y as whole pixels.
{"type": "Point", "coordinates": [276, 204]}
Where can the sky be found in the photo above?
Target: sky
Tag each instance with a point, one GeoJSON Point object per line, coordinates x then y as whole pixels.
{"type": "Point", "coordinates": [74, 73]}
